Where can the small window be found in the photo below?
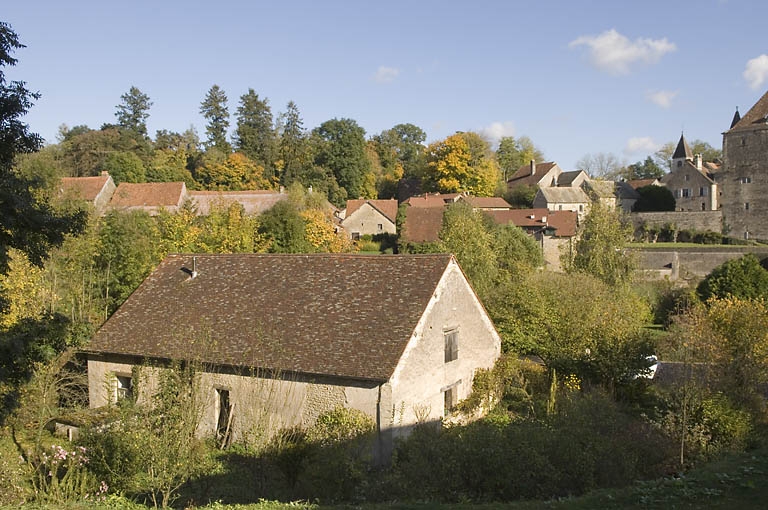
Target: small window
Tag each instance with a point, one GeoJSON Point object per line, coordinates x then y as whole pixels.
{"type": "Point", "coordinates": [687, 177]}
{"type": "Point", "coordinates": [686, 192]}
{"type": "Point", "coordinates": [703, 191]}
{"type": "Point", "coordinates": [703, 206]}
{"type": "Point", "coordinates": [678, 193]}
{"type": "Point", "coordinates": [581, 207]}
{"type": "Point", "coordinates": [746, 206]}
{"type": "Point", "coordinates": [679, 164]}
{"type": "Point", "coordinates": [450, 398]}
{"type": "Point", "coordinates": [559, 207]}
{"type": "Point", "coordinates": [123, 388]}
{"type": "Point", "coordinates": [380, 227]}
{"type": "Point", "coordinates": [746, 180]}
{"type": "Point", "coordinates": [451, 345]}
{"type": "Point", "coordinates": [355, 236]}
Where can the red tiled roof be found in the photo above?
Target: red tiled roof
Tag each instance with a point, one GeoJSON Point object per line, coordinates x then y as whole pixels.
{"type": "Point", "coordinates": [301, 313]}
{"type": "Point", "coordinates": [639, 183]}
{"type": "Point", "coordinates": [422, 224]}
{"type": "Point", "coordinates": [564, 222]}
{"type": "Point", "coordinates": [486, 202]}
{"type": "Point", "coordinates": [84, 188]}
{"type": "Point", "coordinates": [431, 199]}
{"type": "Point", "coordinates": [148, 194]}
{"type": "Point", "coordinates": [386, 207]}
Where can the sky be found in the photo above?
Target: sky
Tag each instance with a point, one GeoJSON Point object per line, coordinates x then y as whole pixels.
{"type": "Point", "coordinates": [577, 77]}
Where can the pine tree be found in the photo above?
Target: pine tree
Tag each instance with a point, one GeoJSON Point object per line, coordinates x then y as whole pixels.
{"type": "Point", "coordinates": [214, 110]}
{"type": "Point", "coordinates": [255, 134]}
{"type": "Point", "coordinates": [132, 113]}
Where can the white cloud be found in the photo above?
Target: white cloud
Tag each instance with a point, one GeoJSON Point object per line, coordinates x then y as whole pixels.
{"type": "Point", "coordinates": [386, 74]}
{"type": "Point", "coordinates": [614, 53]}
{"type": "Point", "coordinates": [497, 130]}
{"type": "Point", "coordinates": [641, 144]}
{"type": "Point", "coordinates": [662, 98]}
{"type": "Point", "coordinates": [756, 72]}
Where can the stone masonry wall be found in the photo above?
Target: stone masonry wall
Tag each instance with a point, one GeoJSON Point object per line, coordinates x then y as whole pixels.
{"type": "Point", "coordinates": [695, 220]}
{"type": "Point", "coordinates": [689, 263]}
{"type": "Point", "coordinates": [744, 183]}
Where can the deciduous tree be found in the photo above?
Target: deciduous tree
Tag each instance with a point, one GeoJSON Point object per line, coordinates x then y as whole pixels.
{"type": "Point", "coordinates": [514, 153]}
{"type": "Point", "coordinates": [742, 278]}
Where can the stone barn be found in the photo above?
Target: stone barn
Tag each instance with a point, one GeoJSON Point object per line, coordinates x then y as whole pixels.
{"type": "Point", "coordinates": [284, 338]}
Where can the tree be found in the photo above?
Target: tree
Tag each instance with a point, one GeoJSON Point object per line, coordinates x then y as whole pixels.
{"type": "Point", "coordinates": [284, 228]}
{"type": "Point", "coordinates": [235, 172]}
{"type": "Point", "coordinates": [452, 167]}
{"type": "Point", "coordinates": [125, 167]}
{"type": "Point", "coordinates": [293, 148]}
{"type": "Point", "coordinates": [647, 169]}
{"type": "Point", "coordinates": [600, 246]}
{"type": "Point", "coordinates": [742, 278]}
{"type": "Point", "coordinates": [28, 221]}
{"type": "Point", "coordinates": [132, 113]}
{"type": "Point", "coordinates": [600, 338]}
{"type": "Point", "coordinates": [214, 110]}
{"type": "Point", "coordinates": [341, 149]}
{"type": "Point", "coordinates": [407, 143]}
{"type": "Point", "coordinates": [255, 134]}
{"type": "Point", "coordinates": [603, 165]}
{"type": "Point", "coordinates": [663, 156]}
{"type": "Point", "coordinates": [514, 153]}
{"type": "Point", "coordinates": [654, 198]}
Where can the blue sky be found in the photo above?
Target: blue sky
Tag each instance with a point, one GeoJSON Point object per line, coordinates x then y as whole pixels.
{"type": "Point", "coordinates": [577, 77]}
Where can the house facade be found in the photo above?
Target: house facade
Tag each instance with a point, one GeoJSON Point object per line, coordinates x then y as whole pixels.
{"type": "Point", "coordinates": [370, 217]}
{"type": "Point", "coordinates": [690, 181]}
{"type": "Point", "coordinates": [285, 338]}
{"type": "Point", "coordinates": [743, 179]}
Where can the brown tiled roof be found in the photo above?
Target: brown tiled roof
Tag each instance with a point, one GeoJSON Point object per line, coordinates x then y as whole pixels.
{"type": "Point", "coordinates": [432, 199]}
{"type": "Point", "coordinates": [254, 202]}
{"type": "Point", "coordinates": [564, 222]}
{"type": "Point", "coordinates": [340, 315]}
{"type": "Point", "coordinates": [486, 202]}
{"type": "Point", "coordinates": [567, 178]}
{"type": "Point", "coordinates": [565, 195]}
{"type": "Point", "coordinates": [755, 117]}
{"type": "Point", "coordinates": [524, 218]}
{"type": "Point", "coordinates": [84, 188]}
{"type": "Point", "coordinates": [148, 194]}
{"type": "Point", "coordinates": [422, 224]}
{"type": "Point", "coordinates": [386, 207]}
{"type": "Point", "coordinates": [523, 175]}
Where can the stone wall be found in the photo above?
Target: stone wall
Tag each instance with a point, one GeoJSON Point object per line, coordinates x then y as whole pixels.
{"type": "Point", "coordinates": [695, 220]}
{"type": "Point", "coordinates": [366, 220]}
{"type": "Point", "coordinates": [744, 182]}
{"type": "Point", "coordinates": [688, 264]}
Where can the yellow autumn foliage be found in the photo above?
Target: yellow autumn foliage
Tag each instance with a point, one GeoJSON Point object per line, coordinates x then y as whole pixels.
{"type": "Point", "coordinates": [23, 290]}
{"type": "Point", "coordinates": [321, 233]}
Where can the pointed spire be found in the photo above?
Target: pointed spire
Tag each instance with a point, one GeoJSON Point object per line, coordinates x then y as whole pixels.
{"type": "Point", "coordinates": [736, 118]}
{"type": "Point", "coordinates": [683, 151]}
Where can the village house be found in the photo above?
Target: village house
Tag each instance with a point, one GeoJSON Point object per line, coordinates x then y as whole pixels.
{"type": "Point", "coordinates": [554, 230]}
{"type": "Point", "coordinates": [369, 217]}
{"type": "Point", "coordinates": [151, 197]}
{"type": "Point", "coordinates": [563, 199]}
{"type": "Point", "coordinates": [284, 338]}
{"type": "Point", "coordinates": [691, 181]}
{"type": "Point", "coordinates": [97, 190]}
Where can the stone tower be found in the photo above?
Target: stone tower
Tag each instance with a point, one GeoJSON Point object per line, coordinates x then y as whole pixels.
{"type": "Point", "coordinates": [744, 177]}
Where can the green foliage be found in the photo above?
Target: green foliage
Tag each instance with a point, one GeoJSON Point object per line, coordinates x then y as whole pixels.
{"type": "Point", "coordinates": [568, 454]}
{"type": "Point", "coordinates": [214, 110]}
{"type": "Point", "coordinates": [514, 153]}
{"type": "Point", "coordinates": [600, 246]}
{"type": "Point", "coordinates": [654, 198]}
{"type": "Point", "coordinates": [255, 135]}
{"type": "Point", "coordinates": [133, 111]}
{"type": "Point", "coordinates": [647, 169]}
{"type": "Point", "coordinates": [522, 197]}
{"type": "Point", "coordinates": [125, 167]}
{"type": "Point", "coordinates": [293, 147]}
{"type": "Point", "coordinates": [744, 278]}
{"type": "Point", "coordinates": [28, 221]}
{"type": "Point", "coordinates": [284, 228]}
{"type": "Point", "coordinates": [341, 150]}
{"type": "Point", "coordinates": [400, 150]}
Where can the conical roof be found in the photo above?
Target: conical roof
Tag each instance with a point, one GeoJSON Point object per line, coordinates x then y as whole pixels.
{"type": "Point", "coordinates": [736, 118]}
{"type": "Point", "coordinates": [683, 151]}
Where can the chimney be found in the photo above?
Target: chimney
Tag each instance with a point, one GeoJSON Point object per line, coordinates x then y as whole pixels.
{"type": "Point", "coordinates": [194, 268]}
{"type": "Point", "coordinates": [544, 220]}
{"type": "Point", "coordinates": [533, 167]}
{"type": "Point", "coordinates": [282, 189]}
{"type": "Point", "coordinates": [104, 173]}
{"type": "Point", "coordinates": [697, 161]}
